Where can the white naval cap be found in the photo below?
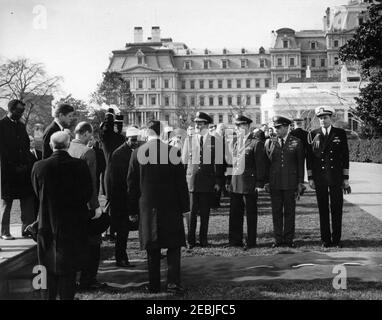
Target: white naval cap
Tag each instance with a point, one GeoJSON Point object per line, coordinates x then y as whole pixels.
{"type": "Point", "coordinates": [324, 110]}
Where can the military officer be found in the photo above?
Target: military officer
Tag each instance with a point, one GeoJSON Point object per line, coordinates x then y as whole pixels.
{"type": "Point", "coordinates": [286, 176]}
{"type": "Point", "coordinates": [203, 162]}
{"type": "Point", "coordinates": [328, 173]}
{"type": "Point", "coordinates": [299, 131]}
{"type": "Point", "coordinates": [247, 178]}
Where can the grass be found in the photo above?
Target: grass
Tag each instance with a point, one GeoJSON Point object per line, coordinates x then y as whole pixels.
{"type": "Point", "coordinates": [361, 232]}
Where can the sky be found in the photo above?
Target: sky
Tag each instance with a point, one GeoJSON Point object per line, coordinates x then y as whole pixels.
{"type": "Point", "coordinates": [74, 38]}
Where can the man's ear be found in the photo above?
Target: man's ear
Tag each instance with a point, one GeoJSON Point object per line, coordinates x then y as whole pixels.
{"type": "Point", "coordinates": [51, 145]}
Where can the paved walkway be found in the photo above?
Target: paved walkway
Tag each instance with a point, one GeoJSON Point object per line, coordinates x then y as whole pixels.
{"type": "Point", "coordinates": [366, 184]}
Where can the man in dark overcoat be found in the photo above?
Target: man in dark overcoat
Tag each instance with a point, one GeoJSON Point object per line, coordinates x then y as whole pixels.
{"type": "Point", "coordinates": [328, 174]}
{"type": "Point", "coordinates": [156, 180]}
{"type": "Point", "coordinates": [63, 187]}
{"type": "Point", "coordinates": [16, 166]}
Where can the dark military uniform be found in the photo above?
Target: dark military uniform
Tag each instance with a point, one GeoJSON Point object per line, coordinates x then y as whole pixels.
{"type": "Point", "coordinates": [248, 172]}
{"type": "Point", "coordinates": [328, 166]}
{"type": "Point", "coordinates": [302, 135]}
{"type": "Point", "coordinates": [286, 159]}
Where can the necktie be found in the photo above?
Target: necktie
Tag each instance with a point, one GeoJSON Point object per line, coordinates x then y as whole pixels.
{"type": "Point", "coordinates": [201, 149]}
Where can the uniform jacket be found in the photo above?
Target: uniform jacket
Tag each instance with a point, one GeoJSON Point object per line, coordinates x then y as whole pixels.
{"type": "Point", "coordinates": [328, 161]}
{"type": "Point", "coordinates": [80, 151]}
{"type": "Point", "coordinates": [63, 187]}
{"type": "Point", "coordinates": [46, 149]}
{"type": "Point", "coordinates": [302, 135]}
{"type": "Point", "coordinates": [110, 142]}
{"type": "Point", "coordinates": [161, 191]}
{"type": "Point", "coordinates": [16, 162]}
{"type": "Point", "coordinates": [203, 175]}
{"type": "Point", "coordinates": [286, 165]}
{"type": "Point", "coordinates": [119, 166]}
{"type": "Point", "coordinates": [249, 168]}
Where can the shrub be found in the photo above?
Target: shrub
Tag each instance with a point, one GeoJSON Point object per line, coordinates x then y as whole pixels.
{"type": "Point", "coordinates": [365, 150]}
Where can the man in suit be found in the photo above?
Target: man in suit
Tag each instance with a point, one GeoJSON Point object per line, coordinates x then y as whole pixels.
{"type": "Point", "coordinates": [63, 117]}
{"type": "Point", "coordinates": [78, 149]}
{"type": "Point", "coordinates": [101, 163]}
{"type": "Point", "coordinates": [249, 173]}
{"type": "Point", "coordinates": [156, 180]}
{"type": "Point", "coordinates": [203, 157]}
{"type": "Point", "coordinates": [219, 134]}
{"type": "Point", "coordinates": [63, 186]}
{"type": "Point", "coordinates": [286, 178]}
{"type": "Point", "coordinates": [299, 131]}
{"type": "Point", "coordinates": [328, 174]}
{"type": "Point", "coordinates": [16, 166]}
{"type": "Point", "coordinates": [121, 221]}
{"type": "Point", "coordinates": [36, 154]}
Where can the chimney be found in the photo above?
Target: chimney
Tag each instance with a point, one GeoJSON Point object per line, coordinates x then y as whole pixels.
{"type": "Point", "coordinates": [138, 34]}
{"type": "Point", "coordinates": [155, 34]}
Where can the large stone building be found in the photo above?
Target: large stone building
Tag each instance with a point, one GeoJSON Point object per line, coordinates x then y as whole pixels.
{"type": "Point", "coordinates": [169, 79]}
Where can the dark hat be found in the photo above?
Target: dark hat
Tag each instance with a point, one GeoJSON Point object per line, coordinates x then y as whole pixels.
{"type": "Point", "coordinates": [239, 119]}
{"type": "Point", "coordinates": [280, 121]}
{"type": "Point", "coordinates": [201, 116]}
{"type": "Point", "coordinates": [118, 118]}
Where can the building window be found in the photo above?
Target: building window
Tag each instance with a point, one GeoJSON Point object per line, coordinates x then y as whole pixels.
{"type": "Point", "coordinates": [167, 118]}
{"type": "Point", "coordinates": [313, 63]}
{"type": "Point", "coordinates": [229, 83]}
{"type": "Point", "coordinates": [248, 100]}
{"type": "Point", "coordinates": [266, 116]}
{"type": "Point", "coordinates": [279, 62]}
{"type": "Point", "coordinates": [201, 101]}
{"type": "Point", "coordinates": [187, 65]}
{"type": "Point", "coordinates": [140, 100]}
{"type": "Point", "coordinates": [211, 101]}
{"type": "Point", "coordinates": [238, 83]}
{"type": "Point", "coordinates": [152, 82]}
{"type": "Point", "coordinates": [183, 101]}
{"type": "Point", "coordinates": [257, 83]}
{"type": "Point", "coordinates": [244, 63]}
{"type": "Point", "coordinates": [166, 84]}
{"type": "Point", "coordinates": [266, 83]}
{"type": "Point", "coordinates": [279, 80]}
{"type": "Point", "coordinates": [220, 117]}
{"type": "Point", "coordinates": [262, 63]}
{"type": "Point", "coordinates": [220, 84]}
{"type": "Point", "coordinates": [211, 84]}
{"type": "Point", "coordinates": [336, 43]}
{"type": "Point", "coordinates": [303, 63]}
{"type": "Point", "coordinates": [128, 84]}
{"type": "Point", "coordinates": [257, 100]}
{"type": "Point", "coordinates": [322, 62]}
{"type": "Point", "coordinates": [206, 64]}
{"type": "Point", "coordinates": [225, 64]}
{"type": "Point", "coordinates": [285, 44]}
{"type": "Point", "coordinates": [192, 84]}
{"type": "Point", "coordinates": [183, 83]}
{"type": "Point", "coordinates": [238, 100]}
{"type": "Point", "coordinates": [229, 118]}
{"type": "Point", "coordinates": [313, 45]}
{"type": "Point", "coordinates": [192, 101]}
{"type": "Point", "coordinates": [201, 84]}
{"type": "Point", "coordinates": [220, 100]}
{"type": "Point", "coordinates": [166, 101]}
{"type": "Point", "coordinates": [291, 62]}
{"type": "Point", "coordinates": [258, 118]}
{"type": "Point", "coordinates": [153, 101]}
{"type": "Point", "coordinates": [140, 84]}
{"type": "Point", "coordinates": [360, 21]}
{"type": "Point", "coordinates": [248, 83]}
{"type": "Point", "coordinates": [336, 61]}
{"type": "Point", "coordinates": [140, 60]}
{"type": "Point", "coordinates": [229, 100]}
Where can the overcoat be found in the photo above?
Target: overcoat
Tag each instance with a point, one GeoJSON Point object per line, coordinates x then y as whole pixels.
{"type": "Point", "coordinates": [161, 190]}
{"type": "Point", "coordinates": [46, 149]}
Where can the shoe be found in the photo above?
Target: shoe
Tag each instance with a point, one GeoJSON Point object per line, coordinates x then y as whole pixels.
{"type": "Point", "coordinates": [175, 288]}
{"type": "Point", "coordinates": [124, 264]}
{"type": "Point", "coordinates": [31, 231]}
{"type": "Point", "coordinates": [337, 245]}
{"type": "Point", "coordinates": [96, 285]}
{"type": "Point", "coordinates": [148, 289]}
{"type": "Point", "coordinates": [276, 245]}
{"type": "Point", "coordinates": [7, 237]}
{"type": "Point", "coordinates": [326, 245]}
{"type": "Point", "coordinates": [249, 246]}
{"type": "Point", "coordinates": [190, 246]}
{"type": "Point", "coordinates": [291, 244]}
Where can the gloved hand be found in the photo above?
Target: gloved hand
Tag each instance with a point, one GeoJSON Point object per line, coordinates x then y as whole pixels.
{"type": "Point", "coordinates": [346, 187]}
{"type": "Point", "coordinates": [312, 184]}
{"type": "Point", "coordinates": [98, 213]}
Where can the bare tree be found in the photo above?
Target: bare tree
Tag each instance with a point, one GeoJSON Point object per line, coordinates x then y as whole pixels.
{"type": "Point", "coordinates": [186, 112]}
{"type": "Point", "coordinates": [28, 81]}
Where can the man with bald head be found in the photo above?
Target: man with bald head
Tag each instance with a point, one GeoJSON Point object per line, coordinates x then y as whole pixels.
{"type": "Point", "coordinates": [63, 186]}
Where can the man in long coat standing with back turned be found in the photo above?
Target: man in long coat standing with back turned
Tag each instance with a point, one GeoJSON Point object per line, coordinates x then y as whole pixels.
{"type": "Point", "coordinates": [156, 179]}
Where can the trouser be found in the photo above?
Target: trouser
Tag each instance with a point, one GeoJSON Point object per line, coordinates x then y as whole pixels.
{"type": "Point", "coordinates": [90, 270]}
{"type": "Point", "coordinates": [200, 203]}
{"type": "Point", "coordinates": [218, 194]}
{"type": "Point", "coordinates": [239, 203]}
{"type": "Point", "coordinates": [28, 213]}
{"type": "Point", "coordinates": [63, 286]}
{"type": "Point", "coordinates": [283, 214]}
{"type": "Point", "coordinates": [173, 267]}
{"type": "Point", "coordinates": [335, 193]}
{"type": "Point", "coordinates": [121, 243]}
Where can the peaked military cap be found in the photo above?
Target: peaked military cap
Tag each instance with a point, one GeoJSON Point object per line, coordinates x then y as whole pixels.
{"type": "Point", "coordinates": [240, 119]}
{"type": "Point", "coordinates": [280, 121]}
{"type": "Point", "coordinates": [201, 116]}
{"type": "Point", "coordinates": [298, 119]}
{"type": "Point", "coordinates": [324, 110]}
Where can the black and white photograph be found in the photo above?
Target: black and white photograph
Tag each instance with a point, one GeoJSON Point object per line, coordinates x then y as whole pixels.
{"type": "Point", "coordinates": [190, 157]}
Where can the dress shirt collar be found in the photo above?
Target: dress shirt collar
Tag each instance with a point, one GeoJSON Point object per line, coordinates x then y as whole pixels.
{"type": "Point", "coordinates": [327, 129]}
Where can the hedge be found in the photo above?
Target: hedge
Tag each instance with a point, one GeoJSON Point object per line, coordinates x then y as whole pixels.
{"type": "Point", "coordinates": [366, 150]}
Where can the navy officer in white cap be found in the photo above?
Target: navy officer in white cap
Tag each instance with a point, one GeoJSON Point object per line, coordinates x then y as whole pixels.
{"type": "Point", "coordinates": [328, 173]}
